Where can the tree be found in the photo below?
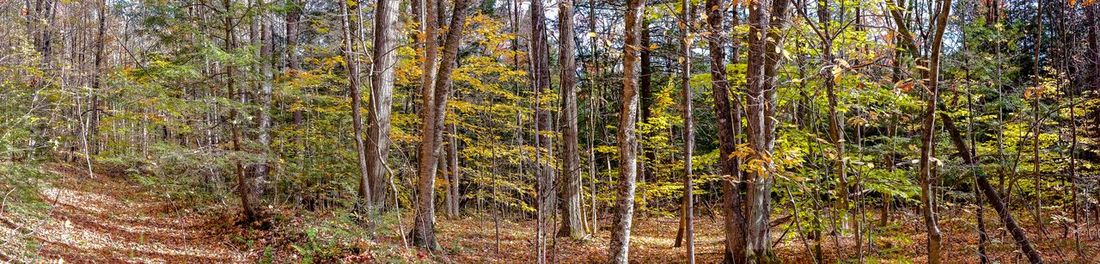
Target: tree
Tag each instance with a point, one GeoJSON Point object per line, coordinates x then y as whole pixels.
{"type": "Point", "coordinates": [352, 60]}
{"type": "Point", "coordinates": [245, 181]}
{"type": "Point", "coordinates": [836, 126]}
{"type": "Point", "coordinates": [928, 135]}
{"type": "Point", "coordinates": [572, 224]}
{"type": "Point", "coordinates": [383, 74]}
{"type": "Point", "coordinates": [97, 80]}
{"type": "Point", "coordinates": [267, 47]}
{"type": "Point", "coordinates": [540, 84]}
{"type": "Point", "coordinates": [728, 122]}
{"type": "Point", "coordinates": [907, 43]}
{"type": "Point", "coordinates": [434, 94]}
{"type": "Point", "coordinates": [767, 20]}
{"type": "Point", "coordinates": [454, 176]}
{"type": "Point", "coordinates": [628, 148]}
{"type": "Point", "coordinates": [689, 128]}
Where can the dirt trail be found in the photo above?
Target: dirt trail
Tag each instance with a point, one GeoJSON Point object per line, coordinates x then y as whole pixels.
{"type": "Point", "coordinates": [108, 220]}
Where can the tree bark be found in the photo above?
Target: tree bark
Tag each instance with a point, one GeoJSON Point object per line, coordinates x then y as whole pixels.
{"type": "Point", "coordinates": [383, 74]}
{"type": "Point", "coordinates": [689, 129]}
{"type": "Point", "coordinates": [100, 60]}
{"type": "Point", "coordinates": [540, 81]}
{"type": "Point", "coordinates": [293, 64]}
{"type": "Point", "coordinates": [244, 186]}
{"type": "Point", "coordinates": [767, 20]}
{"type": "Point", "coordinates": [454, 178]}
{"type": "Point", "coordinates": [352, 60]}
{"type": "Point", "coordinates": [433, 114]}
{"type": "Point", "coordinates": [990, 193]}
{"type": "Point", "coordinates": [628, 150]}
{"type": "Point", "coordinates": [572, 224]}
{"type": "Point", "coordinates": [729, 166]}
{"type": "Point", "coordinates": [645, 90]}
{"type": "Point", "coordinates": [836, 125]}
{"type": "Point", "coordinates": [423, 231]}
{"type": "Point", "coordinates": [267, 57]}
{"type": "Point", "coordinates": [931, 78]}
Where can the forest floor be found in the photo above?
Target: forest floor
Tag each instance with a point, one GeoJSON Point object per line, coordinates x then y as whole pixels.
{"type": "Point", "coordinates": [113, 219]}
{"type": "Point", "coordinates": [473, 240]}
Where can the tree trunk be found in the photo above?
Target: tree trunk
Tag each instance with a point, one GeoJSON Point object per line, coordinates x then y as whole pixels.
{"type": "Point", "coordinates": [1094, 47]}
{"type": "Point", "coordinates": [350, 39]}
{"type": "Point", "coordinates": [930, 74]}
{"type": "Point", "coordinates": [540, 81]}
{"type": "Point", "coordinates": [1036, 70]}
{"type": "Point", "coordinates": [990, 193]}
{"type": "Point", "coordinates": [383, 75]}
{"type": "Point", "coordinates": [454, 178]}
{"type": "Point", "coordinates": [244, 185]}
{"type": "Point", "coordinates": [767, 20]}
{"type": "Point", "coordinates": [593, 108]}
{"type": "Point", "coordinates": [293, 65]}
{"type": "Point", "coordinates": [628, 152]}
{"type": "Point", "coordinates": [689, 129]}
{"type": "Point", "coordinates": [836, 124]}
{"type": "Point", "coordinates": [433, 114]}
{"type": "Point", "coordinates": [100, 60]}
{"type": "Point", "coordinates": [423, 231]}
{"type": "Point", "coordinates": [645, 90]}
{"type": "Point", "coordinates": [732, 196]}
{"type": "Point", "coordinates": [931, 78]}
{"type": "Point", "coordinates": [267, 57]}
{"type": "Point", "coordinates": [572, 224]}
{"type": "Point", "coordinates": [985, 187]}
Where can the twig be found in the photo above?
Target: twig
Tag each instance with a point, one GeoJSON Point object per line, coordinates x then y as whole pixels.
{"type": "Point", "coordinates": [5, 201]}
{"type": "Point", "coordinates": [798, 225]}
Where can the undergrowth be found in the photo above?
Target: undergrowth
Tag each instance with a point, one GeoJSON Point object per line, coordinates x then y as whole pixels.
{"type": "Point", "coordinates": [20, 205]}
{"type": "Point", "coordinates": [327, 236]}
{"type": "Point", "coordinates": [295, 234]}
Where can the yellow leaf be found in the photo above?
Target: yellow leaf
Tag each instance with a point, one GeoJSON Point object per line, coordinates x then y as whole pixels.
{"type": "Point", "coordinates": [843, 63]}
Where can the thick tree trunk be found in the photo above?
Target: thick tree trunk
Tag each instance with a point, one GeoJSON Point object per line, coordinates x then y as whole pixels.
{"type": "Point", "coordinates": [540, 81]}
{"type": "Point", "coordinates": [628, 150]}
{"type": "Point", "coordinates": [433, 114]}
{"type": "Point", "coordinates": [732, 196]}
{"type": "Point", "coordinates": [572, 224]}
{"type": "Point", "coordinates": [383, 75]}
{"type": "Point", "coordinates": [423, 231]}
{"type": "Point", "coordinates": [767, 20]}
